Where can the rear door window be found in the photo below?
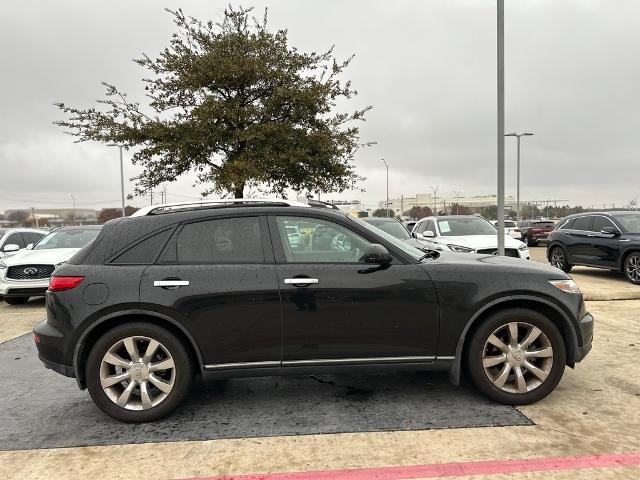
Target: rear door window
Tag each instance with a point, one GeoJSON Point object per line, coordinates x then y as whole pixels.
{"type": "Point", "coordinates": [600, 222]}
{"type": "Point", "coordinates": [583, 223]}
{"type": "Point", "coordinates": [225, 240]}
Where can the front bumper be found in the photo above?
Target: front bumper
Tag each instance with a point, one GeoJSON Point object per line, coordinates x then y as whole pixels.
{"type": "Point", "coordinates": [23, 288]}
{"type": "Point", "coordinates": [586, 330]}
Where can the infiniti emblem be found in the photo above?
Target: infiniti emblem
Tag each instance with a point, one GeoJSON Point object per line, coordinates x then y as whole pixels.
{"type": "Point", "coordinates": [30, 271]}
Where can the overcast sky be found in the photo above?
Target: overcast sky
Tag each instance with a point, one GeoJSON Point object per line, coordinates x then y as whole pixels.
{"type": "Point", "coordinates": [427, 67]}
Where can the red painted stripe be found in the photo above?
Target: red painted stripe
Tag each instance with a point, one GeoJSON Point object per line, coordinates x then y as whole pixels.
{"type": "Point", "coordinates": [451, 469]}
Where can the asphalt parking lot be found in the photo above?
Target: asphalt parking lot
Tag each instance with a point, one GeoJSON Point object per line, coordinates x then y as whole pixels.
{"type": "Point", "coordinates": [324, 423]}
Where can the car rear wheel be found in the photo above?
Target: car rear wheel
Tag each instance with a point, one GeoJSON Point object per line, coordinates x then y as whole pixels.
{"type": "Point", "coordinates": [558, 259]}
{"type": "Point", "coordinates": [16, 300]}
{"type": "Point", "coordinates": [516, 357]}
{"type": "Point", "coordinates": [632, 268]}
{"type": "Point", "coordinates": [138, 372]}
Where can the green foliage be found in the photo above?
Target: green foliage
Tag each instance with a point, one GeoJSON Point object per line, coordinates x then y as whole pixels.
{"type": "Point", "coordinates": [238, 105]}
{"type": "Point", "coordinates": [418, 212]}
{"type": "Point", "coordinates": [457, 209]}
{"type": "Point", "coordinates": [381, 212]}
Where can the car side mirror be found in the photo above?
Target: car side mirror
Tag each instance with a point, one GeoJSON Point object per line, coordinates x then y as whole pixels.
{"type": "Point", "coordinates": [30, 246]}
{"type": "Point", "coordinates": [609, 231]}
{"type": "Point", "coordinates": [377, 254]}
{"type": "Point", "coordinates": [10, 247]}
{"type": "Point", "coordinates": [428, 234]}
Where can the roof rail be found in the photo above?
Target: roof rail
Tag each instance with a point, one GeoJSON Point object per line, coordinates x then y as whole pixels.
{"type": "Point", "coordinates": [167, 207]}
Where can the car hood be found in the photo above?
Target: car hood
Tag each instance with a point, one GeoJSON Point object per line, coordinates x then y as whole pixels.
{"type": "Point", "coordinates": [479, 241]}
{"type": "Point", "coordinates": [495, 262]}
{"type": "Point", "coordinates": [50, 256]}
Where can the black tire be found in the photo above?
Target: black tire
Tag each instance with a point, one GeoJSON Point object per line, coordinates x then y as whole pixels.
{"type": "Point", "coordinates": [476, 348]}
{"type": "Point", "coordinates": [631, 268]}
{"type": "Point", "coordinates": [184, 372]}
{"type": "Point", "coordinates": [558, 259]}
{"type": "Point", "coordinates": [16, 300]}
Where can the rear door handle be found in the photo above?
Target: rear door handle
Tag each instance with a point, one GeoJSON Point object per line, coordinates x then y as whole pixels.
{"type": "Point", "coordinates": [300, 281]}
{"type": "Point", "coordinates": [170, 283]}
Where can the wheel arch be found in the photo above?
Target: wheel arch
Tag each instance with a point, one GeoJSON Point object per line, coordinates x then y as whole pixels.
{"type": "Point", "coordinates": [542, 305]}
{"type": "Point", "coordinates": [90, 335]}
{"type": "Point", "coordinates": [625, 255]}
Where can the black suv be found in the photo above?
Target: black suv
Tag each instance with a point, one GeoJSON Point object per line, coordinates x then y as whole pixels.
{"type": "Point", "coordinates": [605, 239]}
{"type": "Point", "coordinates": [252, 288]}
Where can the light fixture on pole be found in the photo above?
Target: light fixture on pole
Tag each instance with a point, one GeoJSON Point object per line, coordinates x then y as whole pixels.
{"type": "Point", "coordinates": [518, 135]}
{"type": "Point", "coordinates": [121, 176]}
{"type": "Point", "coordinates": [435, 199]}
{"type": "Point", "coordinates": [387, 204]}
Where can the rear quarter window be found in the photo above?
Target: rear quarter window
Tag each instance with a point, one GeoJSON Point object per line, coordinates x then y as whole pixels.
{"type": "Point", "coordinates": [144, 252]}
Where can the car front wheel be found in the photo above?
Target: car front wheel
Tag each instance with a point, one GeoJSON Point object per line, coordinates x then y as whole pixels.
{"type": "Point", "coordinates": [516, 357]}
{"type": "Point", "coordinates": [138, 372]}
{"type": "Point", "coordinates": [558, 259]}
{"type": "Point", "coordinates": [632, 268]}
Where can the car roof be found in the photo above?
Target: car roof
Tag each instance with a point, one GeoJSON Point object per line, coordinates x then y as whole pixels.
{"type": "Point", "coordinates": [380, 219]}
{"type": "Point", "coordinates": [78, 227]}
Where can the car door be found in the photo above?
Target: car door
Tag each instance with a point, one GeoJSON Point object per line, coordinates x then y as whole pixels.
{"type": "Point", "coordinates": [338, 310]}
{"type": "Point", "coordinates": [579, 249]}
{"type": "Point", "coordinates": [604, 248]}
{"type": "Point", "coordinates": [217, 277]}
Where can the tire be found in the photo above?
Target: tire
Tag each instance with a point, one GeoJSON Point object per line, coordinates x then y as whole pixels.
{"type": "Point", "coordinates": [632, 268]}
{"type": "Point", "coordinates": [177, 379]}
{"type": "Point", "coordinates": [558, 259]}
{"type": "Point", "coordinates": [480, 350]}
{"type": "Point", "coordinates": [16, 300]}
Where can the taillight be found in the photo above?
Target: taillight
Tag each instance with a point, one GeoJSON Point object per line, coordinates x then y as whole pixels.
{"type": "Point", "coordinates": [57, 284]}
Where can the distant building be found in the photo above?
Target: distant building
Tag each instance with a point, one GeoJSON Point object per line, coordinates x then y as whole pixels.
{"type": "Point", "coordinates": [402, 204]}
{"type": "Point", "coordinates": [56, 217]}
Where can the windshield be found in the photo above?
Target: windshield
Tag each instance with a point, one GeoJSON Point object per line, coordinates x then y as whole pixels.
{"type": "Point", "coordinates": [454, 227]}
{"type": "Point", "coordinates": [392, 228]}
{"type": "Point", "coordinates": [414, 252]}
{"type": "Point", "coordinates": [76, 238]}
{"type": "Point", "coordinates": [629, 221]}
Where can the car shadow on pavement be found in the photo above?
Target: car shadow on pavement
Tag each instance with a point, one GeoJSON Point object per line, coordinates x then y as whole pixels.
{"type": "Point", "coordinates": [41, 409]}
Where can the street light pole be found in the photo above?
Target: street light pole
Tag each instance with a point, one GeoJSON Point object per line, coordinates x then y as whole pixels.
{"type": "Point", "coordinates": [435, 199]}
{"type": "Point", "coordinates": [500, 73]}
{"type": "Point", "coordinates": [73, 202]}
{"type": "Point", "coordinates": [518, 135]}
{"type": "Point", "coordinates": [387, 166]}
{"type": "Point", "coordinates": [121, 176]}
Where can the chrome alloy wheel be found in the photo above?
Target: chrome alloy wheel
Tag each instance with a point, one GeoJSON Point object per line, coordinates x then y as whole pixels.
{"type": "Point", "coordinates": [632, 268]}
{"type": "Point", "coordinates": [137, 373]}
{"type": "Point", "coordinates": [557, 258]}
{"type": "Point", "coordinates": [517, 357]}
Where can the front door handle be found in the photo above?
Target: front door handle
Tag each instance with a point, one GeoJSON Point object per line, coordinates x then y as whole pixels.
{"type": "Point", "coordinates": [170, 283]}
{"type": "Point", "coordinates": [300, 281]}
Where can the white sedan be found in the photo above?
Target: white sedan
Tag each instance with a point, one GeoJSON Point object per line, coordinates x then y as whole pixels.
{"type": "Point", "coordinates": [26, 274]}
{"type": "Point", "coordinates": [510, 227]}
{"type": "Point", "coordinates": [466, 234]}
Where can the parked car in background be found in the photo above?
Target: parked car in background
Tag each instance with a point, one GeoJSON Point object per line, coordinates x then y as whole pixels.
{"type": "Point", "coordinates": [26, 274]}
{"type": "Point", "coordinates": [13, 240]}
{"type": "Point", "coordinates": [218, 289]}
{"type": "Point", "coordinates": [409, 224]}
{"type": "Point", "coordinates": [534, 231]}
{"type": "Point", "coordinates": [466, 234]}
{"type": "Point", "coordinates": [510, 227]}
{"type": "Point", "coordinates": [604, 240]}
{"type": "Point", "coordinates": [393, 227]}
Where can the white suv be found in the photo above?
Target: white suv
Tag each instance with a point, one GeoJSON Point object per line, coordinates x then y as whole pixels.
{"type": "Point", "coordinates": [466, 234]}
{"type": "Point", "coordinates": [14, 239]}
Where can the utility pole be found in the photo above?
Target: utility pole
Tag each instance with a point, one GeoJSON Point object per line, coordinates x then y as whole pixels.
{"type": "Point", "coordinates": [458, 194]}
{"type": "Point", "coordinates": [387, 166]}
{"type": "Point", "coordinates": [435, 198]}
{"type": "Point", "coordinates": [33, 214]}
{"type": "Point", "coordinates": [73, 200]}
{"type": "Point", "coordinates": [121, 176]}
{"type": "Point", "coordinates": [518, 135]}
{"type": "Point", "coordinates": [164, 194]}
{"type": "Point", "coordinates": [500, 73]}
{"type": "Point", "coordinates": [401, 205]}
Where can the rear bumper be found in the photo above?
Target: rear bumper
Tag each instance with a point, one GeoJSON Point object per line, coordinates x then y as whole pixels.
{"type": "Point", "coordinates": [52, 348]}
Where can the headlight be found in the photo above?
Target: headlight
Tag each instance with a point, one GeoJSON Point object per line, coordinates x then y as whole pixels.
{"type": "Point", "coordinates": [459, 248]}
{"type": "Point", "coordinates": [523, 247]}
{"type": "Point", "coordinates": [568, 286]}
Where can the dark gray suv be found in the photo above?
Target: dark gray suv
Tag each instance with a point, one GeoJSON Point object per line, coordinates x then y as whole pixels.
{"type": "Point", "coordinates": [238, 288]}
